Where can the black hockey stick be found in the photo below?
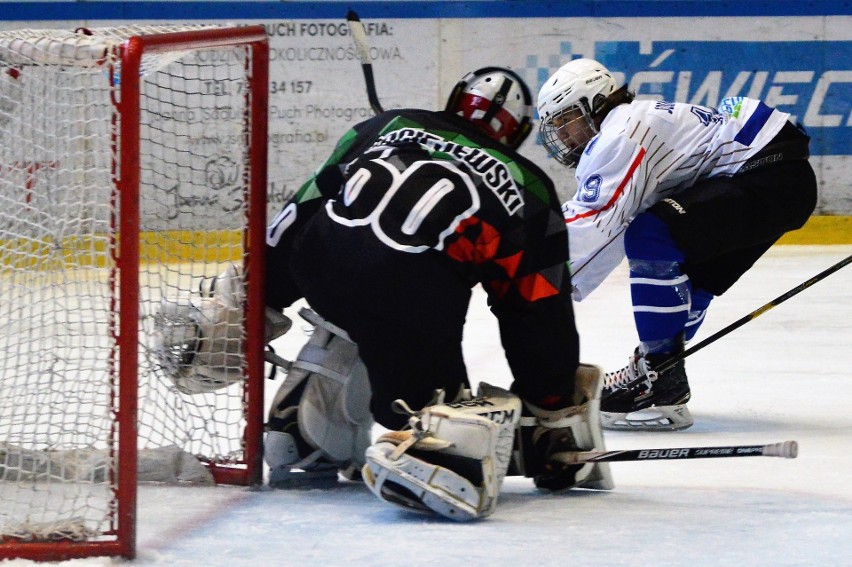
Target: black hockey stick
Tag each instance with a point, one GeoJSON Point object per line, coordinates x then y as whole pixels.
{"type": "Point", "coordinates": [362, 48]}
{"type": "Point", "coordinates": [787, 450]}
{"type": "Point", "coordinates": [670, 362]}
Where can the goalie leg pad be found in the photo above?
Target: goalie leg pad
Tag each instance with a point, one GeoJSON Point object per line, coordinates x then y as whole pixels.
{"type": "Point", "coordinates": [320, 418]}
{"type": "Point", "coordinates": [453, 459]}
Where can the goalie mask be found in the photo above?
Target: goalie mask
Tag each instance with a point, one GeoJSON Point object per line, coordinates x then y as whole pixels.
{"type": "Point", "coordinates": [498, 101]}
{"type": "Point", "coordinates": [568, 103]}
{"type": "Point", "coordinates": [199, 348]}
{"type": "Point", "coordinates": [199, 345]}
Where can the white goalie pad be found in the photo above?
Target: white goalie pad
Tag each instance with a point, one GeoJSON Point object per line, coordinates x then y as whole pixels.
{"type": "Point", "coordinates": [327, 392]}
{"type": "Point", "coordinates": [452, 460]}
{"type": "Point", "coordinates": [170, 464]}
{"type": "Point", "coordinates": [201, 347]}
{"type": "Point", "coordinates": [334, 411]}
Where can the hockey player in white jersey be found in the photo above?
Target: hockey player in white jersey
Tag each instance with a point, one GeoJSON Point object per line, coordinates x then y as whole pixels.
{"type": "Point", "coordinates": [691, 195]}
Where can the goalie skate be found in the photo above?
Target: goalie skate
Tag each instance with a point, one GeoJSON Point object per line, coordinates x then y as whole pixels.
{"type": "Point", "coordinates": [293, 463]}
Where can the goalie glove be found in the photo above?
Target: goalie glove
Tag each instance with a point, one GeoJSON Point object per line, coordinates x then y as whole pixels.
{"type": "Point", "coordinates": [548, 441]}
{"type": "Point", "coordinates": [201, 347]}
{"type": "Point", "coordinates": [452, 459]}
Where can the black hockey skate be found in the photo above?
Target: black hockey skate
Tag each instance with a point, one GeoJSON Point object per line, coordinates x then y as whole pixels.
{"type": "Point", "coordinates": [638, 398]}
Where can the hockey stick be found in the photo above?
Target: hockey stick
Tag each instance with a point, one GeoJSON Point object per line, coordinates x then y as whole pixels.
{"type": "Point", "coordinates": [670, 362]}
{"type": "Point", "coordinates": [787, 450]}
{"type": "Point", "coordinates": [359, 36]}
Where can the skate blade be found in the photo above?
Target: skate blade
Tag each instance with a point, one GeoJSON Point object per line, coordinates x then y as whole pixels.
{"type": "Point", "coordinates": [655, 418]}
{"type": "Point", "coordinates": [286, 478]}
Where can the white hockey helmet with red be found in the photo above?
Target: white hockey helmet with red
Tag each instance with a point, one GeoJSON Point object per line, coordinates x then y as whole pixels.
{"type": "Point", "coordinates": [498, 101]}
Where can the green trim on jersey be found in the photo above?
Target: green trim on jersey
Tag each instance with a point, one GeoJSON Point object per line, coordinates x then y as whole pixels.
{"type": "Point", "coordinates": [524, 177]}
{"type": "Point", "coordinates": [309, 190]}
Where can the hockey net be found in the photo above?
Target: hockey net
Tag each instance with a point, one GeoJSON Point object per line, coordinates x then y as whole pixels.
{"type": "Point", "coordinates": [132, 168]}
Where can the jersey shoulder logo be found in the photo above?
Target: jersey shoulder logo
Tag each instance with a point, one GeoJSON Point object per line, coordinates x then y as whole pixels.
{"type": "Point", "coordinates": [591, 145]}
{"type": "Point", "coordinates": [730, 107]}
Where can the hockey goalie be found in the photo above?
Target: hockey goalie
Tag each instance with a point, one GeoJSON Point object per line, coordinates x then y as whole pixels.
{"type": "Point", "coordinates": [412, 209]}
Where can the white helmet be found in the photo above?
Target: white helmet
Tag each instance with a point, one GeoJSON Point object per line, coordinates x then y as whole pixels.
{"type": "Point", "coordinates": [567, 104]}
{"type": "Point", "coordinates": [498, 101]}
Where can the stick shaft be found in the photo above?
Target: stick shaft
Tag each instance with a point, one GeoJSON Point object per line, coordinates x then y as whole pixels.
{"type": "Point", "coordinates": [787, 450]}
{"type": "Point", "coordinates": [359, 37]}
{"type": "Point", "coordinates": [670, 362]}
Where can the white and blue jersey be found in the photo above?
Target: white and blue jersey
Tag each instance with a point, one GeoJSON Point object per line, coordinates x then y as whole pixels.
{"type": "Point", "coordinates": [645, 152]}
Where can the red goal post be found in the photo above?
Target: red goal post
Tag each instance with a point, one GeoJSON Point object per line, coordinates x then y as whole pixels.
{"type": "Point", "coordinates": [132, 170]}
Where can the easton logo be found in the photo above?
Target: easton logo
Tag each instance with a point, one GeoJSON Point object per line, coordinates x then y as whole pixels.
{"type": "Point", "coordinates": [676, 206]}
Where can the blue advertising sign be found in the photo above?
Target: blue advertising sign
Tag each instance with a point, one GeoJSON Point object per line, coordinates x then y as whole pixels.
{"type": "Point", "coordinates": [812, 80]}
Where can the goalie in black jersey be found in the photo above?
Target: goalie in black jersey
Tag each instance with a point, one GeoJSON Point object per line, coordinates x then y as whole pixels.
{"type": "Point", "coordinates": [412, 209]}
{"type": "Point", "coordinates": [385, 242]}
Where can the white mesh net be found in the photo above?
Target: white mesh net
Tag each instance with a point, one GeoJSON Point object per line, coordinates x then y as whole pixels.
{"type": "Point", "coordinates": [60, 118]}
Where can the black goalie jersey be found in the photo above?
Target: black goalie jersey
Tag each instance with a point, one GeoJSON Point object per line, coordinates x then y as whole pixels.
{"type": "Point", "coordinates": [413, 209]}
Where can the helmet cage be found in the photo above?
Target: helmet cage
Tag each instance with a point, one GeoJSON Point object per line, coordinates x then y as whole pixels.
{"type": "Point", "coordinates": [566, 133]}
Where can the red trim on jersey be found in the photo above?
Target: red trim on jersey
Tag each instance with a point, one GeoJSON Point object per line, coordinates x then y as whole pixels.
{"type": "Point", "coordinates": [535, 286]}
{"type": "Point", "coordinates": [464, 249]}
{"type": "Point", "coordinates": [618, 191]}
{"type": "Point", "coordinates": [510, 263]}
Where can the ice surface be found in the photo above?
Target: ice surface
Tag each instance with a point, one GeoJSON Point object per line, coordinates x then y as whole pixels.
{"type": "Point", "coordinates": [785, 375]}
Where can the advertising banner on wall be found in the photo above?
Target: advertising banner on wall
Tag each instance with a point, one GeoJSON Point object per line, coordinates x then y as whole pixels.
{"type": "Point", "coordinates": [316, 89]}
{"type": "Point", "coordinates": [800, 64]}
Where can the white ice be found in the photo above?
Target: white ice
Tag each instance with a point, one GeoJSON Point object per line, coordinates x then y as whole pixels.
{"type": "Point", "coordinates": [786, 374]}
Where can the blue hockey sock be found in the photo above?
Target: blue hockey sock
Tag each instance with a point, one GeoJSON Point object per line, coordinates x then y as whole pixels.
{"type": "Point", "coordinates": [661, 292]}
{"type": "Point", "coordinates": [700, 302]}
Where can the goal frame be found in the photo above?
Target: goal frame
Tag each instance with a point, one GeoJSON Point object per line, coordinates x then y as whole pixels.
{"type": "Point", "coordinates": [127, 182]}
